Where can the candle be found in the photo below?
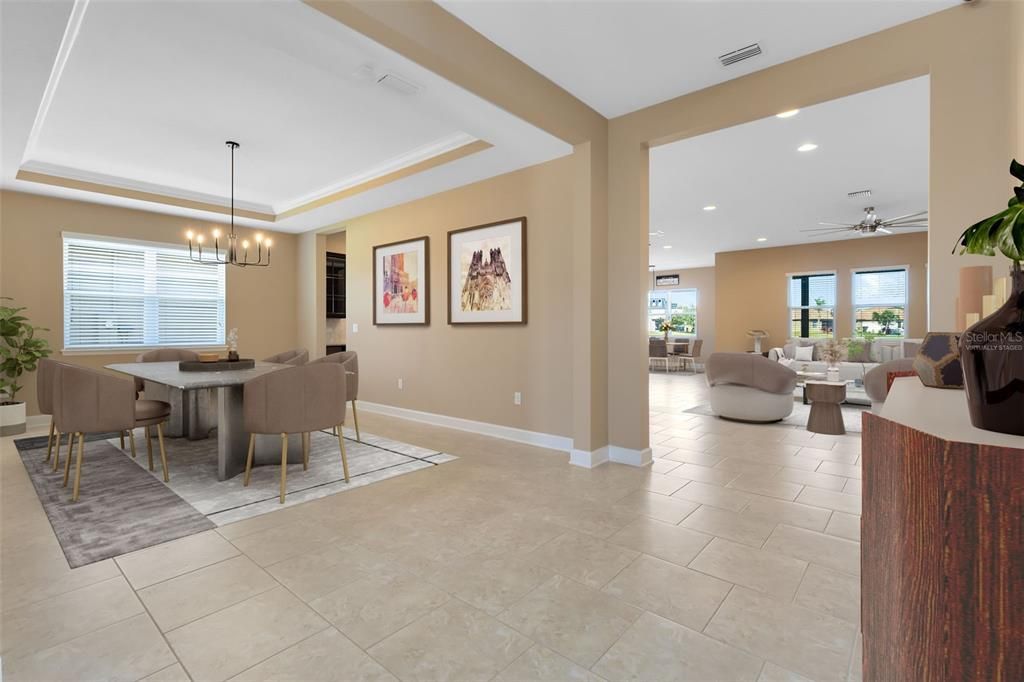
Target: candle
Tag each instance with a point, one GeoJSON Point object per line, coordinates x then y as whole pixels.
{"type": "Point", "coordinates": [988, 304]}
{"type": "Point", "coordinates": [1001, 289]}
{"type": "Point", "coordinates": [972, 318]}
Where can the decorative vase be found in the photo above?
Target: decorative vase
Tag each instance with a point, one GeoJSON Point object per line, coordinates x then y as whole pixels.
{"type": "Point", "coordinates": [938, 361]}
{"type": "Point", "coordinates": [832, 374]}
{"type": "Point", "coordinates": [992, 353]}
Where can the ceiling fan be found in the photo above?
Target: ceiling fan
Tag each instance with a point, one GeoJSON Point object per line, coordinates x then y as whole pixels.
{"type": "Point", "coordinates": [871, 224]}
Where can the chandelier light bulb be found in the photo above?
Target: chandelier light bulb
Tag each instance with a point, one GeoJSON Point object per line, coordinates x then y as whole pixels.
{"type": "Point", "coordinates": [245, 243]}
{"type": "Point", "coordinates": [190, 234]}
{"type": "Point", "coordinates": [216, 233]}
{"type": "Point", "coordinates": [268, 242]}
{"type": "Point", "coordinates": [199, 239]}
{"type": "Point", "coordinates": [259, 237]}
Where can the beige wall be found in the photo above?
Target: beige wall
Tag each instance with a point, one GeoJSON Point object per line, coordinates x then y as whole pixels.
{"type": "Point", "coordinates": [971, 54]}
{"type": "Point", "coordinates": [703, 280]}
{"type": "Point", "coordinates": [751, 285]}
{"type": "Point", "coordinates": [260, 301]}
{"type": "Point", "coordinates": [472, 371]}
{"type": "Point", "coordinates": [335, 243]}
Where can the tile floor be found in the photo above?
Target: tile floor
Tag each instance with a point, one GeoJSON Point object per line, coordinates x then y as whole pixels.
{"type": "Point", "coordinates": [735, 557]}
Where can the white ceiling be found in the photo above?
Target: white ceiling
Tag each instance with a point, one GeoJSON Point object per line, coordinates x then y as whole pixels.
{"type": "Point", "coordinates": [622, 55]}
{"type": "Point", "coordinates": [763, 187]}
{"type": "Point", "coordinates": [143, 95]}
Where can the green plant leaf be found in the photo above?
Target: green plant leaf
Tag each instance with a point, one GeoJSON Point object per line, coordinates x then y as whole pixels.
{"type": "Point", "coordinates": [1011, 235]}
{"type": "Point", "coordinates": [1017, 170]}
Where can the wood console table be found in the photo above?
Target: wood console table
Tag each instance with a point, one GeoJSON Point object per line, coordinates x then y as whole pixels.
{"type": "Point", "coordinates": [942, 542]}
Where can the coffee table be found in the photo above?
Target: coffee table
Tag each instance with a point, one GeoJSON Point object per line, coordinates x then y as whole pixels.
{"type": "Point", "coordinates": [826, 415]}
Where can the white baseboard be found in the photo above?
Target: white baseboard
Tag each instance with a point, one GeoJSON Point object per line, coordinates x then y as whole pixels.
{"type": "Point", "coordinates": [636, 458]}
{"type": "Point", "coordinates": [588, 459]}
{"type": "Point", "coordinates": [544, 440]}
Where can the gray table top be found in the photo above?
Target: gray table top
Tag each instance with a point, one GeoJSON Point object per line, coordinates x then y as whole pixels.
{"type": "Point", "coordinates": [168, 373]}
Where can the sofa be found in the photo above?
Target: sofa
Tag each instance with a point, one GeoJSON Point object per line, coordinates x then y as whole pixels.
{"type": "Point", "coordinates": [749, 387]}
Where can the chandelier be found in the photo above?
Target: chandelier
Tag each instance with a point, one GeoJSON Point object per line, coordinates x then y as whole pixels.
{"type": "Point", "coordinates": [236, 252]}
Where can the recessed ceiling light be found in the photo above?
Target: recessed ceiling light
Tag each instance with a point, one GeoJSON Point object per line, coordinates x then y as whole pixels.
{"type": "Point", "coordinates": [762, 239]}
{"type": "Point", "coordinates": [809, 147]}
{"type": "Point", "coordinates": [712, 207]}
{"type": "Point", "coordinates": [667, 246]}
{"type": "Point", "coordinates": [787, 114]}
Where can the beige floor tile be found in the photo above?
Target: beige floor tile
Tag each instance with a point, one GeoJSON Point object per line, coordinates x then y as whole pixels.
{"type": "Point", "coordinates": [716, 496]}
{"type": "Point", "coordinates": [573, 620]}
{"type": "Point", "coordinates": [655, 506]}
{"type": "Point", "coordinates": [822, 451]}
{"type": "Point", "coordinates": [827, 550]}
{"type": "Point", "coordinates": [244, 634]}
{"type": "Point", "coordinates": [745, 466]}
{"type": "Point", "coordinates": [327, 655]}
{"type": "Point", "coordinates": [516, 533]}
{"type": "Point", "coordinates": [694, 444]}
{"type": "Point", "coordinates": [663, 540]}
{"type": "Point", "coordinates": [775, 673]}
{"type": "Point", "coordinates": [812, 478]}
{"type": "Point", "coordinates": [187, 597]}
{"type": "Point", "coordinates": [127, 650]}
{"type": "Point", "coordinates": [48, 579]}
{"type": "Point", "coordinates": [663, 484]}
{"type": "Point", "coordinates": [172, 673]}
{"type": "Point", "coordinates": [832, 592]}
{"type": "Point", "coordinates": [768, 485]}
{"type": "Point", "coordinates": [154, 564]}
{"type": "Point", "coordinates": [802, 463]}
{"type": "Point", "coordinates": [828, 499]}
{"type": "Point", "coordinates": [857, 660]}
{"type": "Point", "coordinates": [679, 594]}
{"type": "Point", "coordinates": [255, 524]}
{"type": "Point", "coordinates": [688, 456]}
{"type": "Point", "coordinates": [705, 474]}
{"type": "Point", "coordinates": [283, 542]}
{"type": "Point", "coordinates": [746, 528]}
{"type": "Point", "coordinates": [663, 466]}
{"type": "Point", "coordinates": [657, 649]}
{"type": "Point", "coordinates": [798, 639]}
{"type": "Point", "coordinates": [368, 610]}
{"type": "Point", "coordinates": [793, 513]}
{"type": "Point", "coordinates": [840, 469]}
{"type": "Point", "coordinates": [313, 575]}
{"type": "Point", "coordinates": [64, 617]}
{"type": "Point", "coordinates": [757, 569]}
{"type": "Point", "coordinates": [488, 582]}
{"type": "Point", "coordinates": [453, 642]}
{"type": "Point", "coordinates": [540, 664]}
{"type": "Point", "coordinates": [853, 486]}
{"type": "Point", "coordinates": [585, 559]}
{"type": "Point", "coordinates": [844, 526]}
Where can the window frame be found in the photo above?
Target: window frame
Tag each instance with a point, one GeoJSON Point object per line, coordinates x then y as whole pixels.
{"type": "Point", "coordinates": [789, 308]}
{"type": "Point", "coordinates": [906, 297]}
{"type": "Point", "coordinates": [667, 291]}
{"type": "Point", "coordinates": [141, 243]}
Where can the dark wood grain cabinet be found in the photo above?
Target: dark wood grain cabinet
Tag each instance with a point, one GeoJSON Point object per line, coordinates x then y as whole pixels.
{"type": "Point", "coordinates": [335, 285]}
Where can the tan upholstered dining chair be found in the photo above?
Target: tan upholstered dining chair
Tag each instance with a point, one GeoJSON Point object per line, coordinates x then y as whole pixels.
{"type": "Point", "coordinates": [159, 355]}
{"type": "Point", "coordinates": [87, 401]}
{"type": "Point", "coordinates": [44, 394]}
{"type": "Point", "coordinates": [350, 361]}
{"type": "Point", "coordinates": [295, 400]}
{"type": "Point", "coordinates": [294, 357]}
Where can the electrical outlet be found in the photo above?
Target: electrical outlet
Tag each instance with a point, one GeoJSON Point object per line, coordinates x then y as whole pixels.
{"type": "Point", "coordinates": [517, 398]}
{"type": "Point", "coordinates": [401, 384]}
{"type": "Point", "coordinates": [355, 327]}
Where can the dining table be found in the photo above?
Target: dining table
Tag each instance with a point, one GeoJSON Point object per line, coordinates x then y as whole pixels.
{"type": "Point", "coordinates": [227, 390]}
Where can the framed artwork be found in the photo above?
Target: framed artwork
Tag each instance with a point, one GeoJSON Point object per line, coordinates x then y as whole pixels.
{"type": "Point", "coordinates": [401, 282]}
{"type": "Point", "coordinates": [487, 273]}
{"type": "Point", "coordinates": [666, 280]}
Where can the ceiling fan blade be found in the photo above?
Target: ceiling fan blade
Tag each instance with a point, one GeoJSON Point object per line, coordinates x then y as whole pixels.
{"type": "Point", "coordinates": [904, 217]}
{"type": "Point", "coordinates": [841, 224]}
{"type": "Point", "coordinates": [925, 225]}
{"type": "Point", "coordinates": [883, 230]}
{"type": "Point", "coordinates": [828, 229]}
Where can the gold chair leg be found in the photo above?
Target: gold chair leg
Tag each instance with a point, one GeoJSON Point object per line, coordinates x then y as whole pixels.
{"type": "Point", "coordinates": [67, 464]}
{"type": "Point", "coordinates": [163, 452]}
{"type": "Point", "coordinates": [49, 441]}
{"type": "Point", "coordinates": [248, 459]}
{"type": "Point", "coordinates": [56, 458]}
{"type": "Point", "coordinates": [284, 464]}
{"type": "Point", "coordinates": [305, 451]}
{"type": "Point", "coordinates": [344, 460]}
{"type": "Point", "coordinates": [122, 439]}
{"type": "Point", "coordinates": [149, 445]}
{"type": "Point", "coordinates": [131, 440]}
{"type": "Point", "coordinates": [78, 466]}
{"type": "Point", "coordinates": [355, 421]}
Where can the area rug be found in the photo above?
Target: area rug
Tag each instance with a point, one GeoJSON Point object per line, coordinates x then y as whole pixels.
{"type": "Point", "coordinates": [124, 507]}
{"type": "Point", "coordinates": [851, 415]}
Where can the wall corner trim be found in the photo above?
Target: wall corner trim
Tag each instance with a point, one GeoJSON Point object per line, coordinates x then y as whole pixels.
{"type": "Point", "coordinates": [543, 440]}
{"type": "Point", "coordinates": [636, 458]}
{"type": "Point", "coordinates": [588, 459]}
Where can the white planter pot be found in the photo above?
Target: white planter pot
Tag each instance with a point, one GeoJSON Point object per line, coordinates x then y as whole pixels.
{"type": "Point", "coordinates": [12, 419]}
{"type": "Point", "coordinates": [832, 374]}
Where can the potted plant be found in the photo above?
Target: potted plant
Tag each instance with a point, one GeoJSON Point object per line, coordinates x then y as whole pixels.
{"type": "Point", "coordinates": [20, 352]}
{"type": "Point", "coordinates": [992, 349]}
{"type": "Point", "coordinates": [832, 352]}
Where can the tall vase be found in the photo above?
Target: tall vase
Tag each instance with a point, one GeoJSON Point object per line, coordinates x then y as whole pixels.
{"type": "Point", "coordinates": [992, 354]}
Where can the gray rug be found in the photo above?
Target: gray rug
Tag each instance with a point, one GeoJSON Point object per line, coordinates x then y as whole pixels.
{"type": "Point", "coordinates": [124, 507]}
{"type": "Point", "coordinates": [851, 415]}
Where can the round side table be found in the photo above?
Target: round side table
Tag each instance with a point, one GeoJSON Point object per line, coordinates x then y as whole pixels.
{"type": "Point", "coordinates": [826, 415]}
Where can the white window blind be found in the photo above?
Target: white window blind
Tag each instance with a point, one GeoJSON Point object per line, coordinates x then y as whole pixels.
{"type": "Point", "coordinates": [812, 301]}
{"type": "Point", "coordinates": [880, 302]}
{"type": "Point", "coordinates": [132, 295]}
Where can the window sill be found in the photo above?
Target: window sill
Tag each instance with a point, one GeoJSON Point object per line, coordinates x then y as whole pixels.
{"type": "Point", "coordinates": [130, 350]}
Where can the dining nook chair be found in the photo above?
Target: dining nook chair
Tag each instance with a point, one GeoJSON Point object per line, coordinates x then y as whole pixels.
{"type": "Point", "coordinates": [293, 357]}
{"type": "Point", "coordinates": [350, 361]}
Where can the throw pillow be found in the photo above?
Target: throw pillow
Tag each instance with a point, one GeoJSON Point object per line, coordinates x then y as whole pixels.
{"type": "Point", "coordinates": [788, 350]}
{"type": "Point", "coordinates": [804, 353]}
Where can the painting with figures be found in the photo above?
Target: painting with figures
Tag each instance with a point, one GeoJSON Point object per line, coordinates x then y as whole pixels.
{"type": "Point", "coordinates": [487, 273]}
{"type": "Point", "coordinates": [400, 282]}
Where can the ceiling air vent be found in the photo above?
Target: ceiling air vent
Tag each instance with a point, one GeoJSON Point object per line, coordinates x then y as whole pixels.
{"type": "Point", "coordinates": [730, 58]}
{"type": "Point", "coordinates": [398, 84]}
{"type": "Point", "coordinates": [859, 194]}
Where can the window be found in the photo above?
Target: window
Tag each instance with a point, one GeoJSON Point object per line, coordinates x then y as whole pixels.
{"type": "Point", "coordinates": [880, 302]}
{"type": "Point", "coordinates": [678, 306]}
{"type": "Point", "coordinates": [812, 305]}
{"type": "Point", "coordinates": [135, 294]}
